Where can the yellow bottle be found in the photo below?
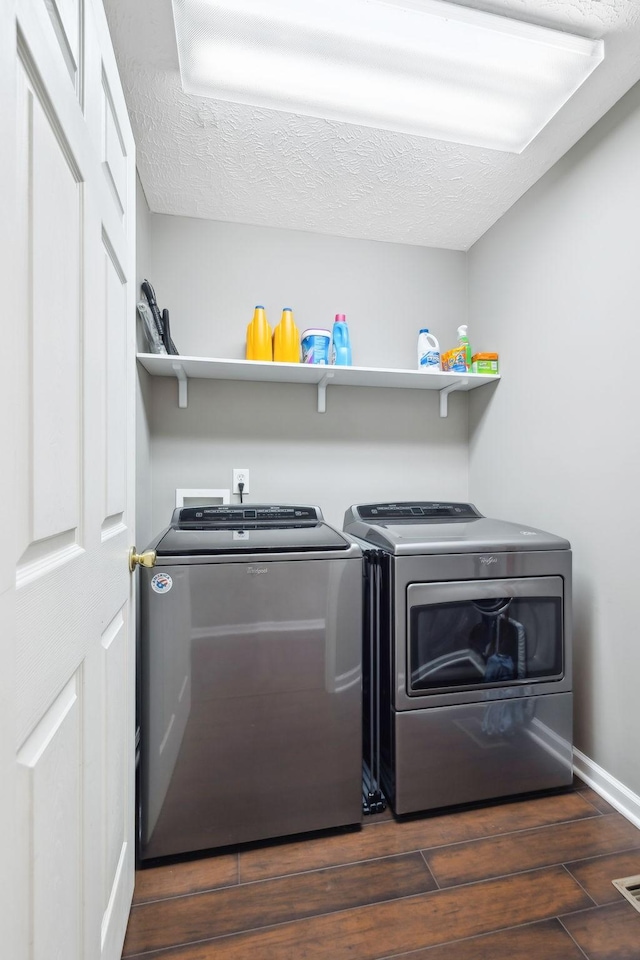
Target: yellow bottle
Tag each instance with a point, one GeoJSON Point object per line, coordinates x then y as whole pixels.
{"type": "Point", "coordinates": [286, 339]}
{"type": "Point", "coordinates": [259, 346]}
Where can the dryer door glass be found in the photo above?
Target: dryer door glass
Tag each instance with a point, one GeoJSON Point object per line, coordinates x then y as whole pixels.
{"type": "Point", "coordinates": [488, 633]}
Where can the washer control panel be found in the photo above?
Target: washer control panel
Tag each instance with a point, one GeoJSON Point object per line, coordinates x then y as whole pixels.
{"type": "Point", "coordinates": [260, 513]}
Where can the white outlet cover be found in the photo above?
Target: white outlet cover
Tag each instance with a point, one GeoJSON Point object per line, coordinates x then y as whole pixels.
{"type": "Point", "coordinates": [239, 472]}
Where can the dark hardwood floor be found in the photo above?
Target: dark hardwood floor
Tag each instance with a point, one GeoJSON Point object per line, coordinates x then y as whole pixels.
{"type": "Point", "coordinates": [523, 880]}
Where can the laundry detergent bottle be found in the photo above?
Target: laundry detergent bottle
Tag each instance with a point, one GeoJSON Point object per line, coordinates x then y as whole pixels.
{"type": "Point", "coordinates": [286, 339]}
{"type": "Point", "coordinates": [340, 342]}
{"type": "Point", "coordinates": [428, 352]}
{"type": "Point", "coordinates": [259, 343]}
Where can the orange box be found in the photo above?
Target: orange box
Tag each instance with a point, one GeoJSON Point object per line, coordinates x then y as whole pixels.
{"type": "Point", "coordinates": [453, 361]}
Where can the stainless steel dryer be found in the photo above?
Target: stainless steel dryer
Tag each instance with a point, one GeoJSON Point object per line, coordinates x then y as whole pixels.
{"type": "Point", "coordinates": [250, 679]}
{"type": "Point", "coordinates": [471, 662]}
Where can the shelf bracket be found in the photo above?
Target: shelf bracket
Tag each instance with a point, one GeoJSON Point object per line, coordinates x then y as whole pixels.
{"type": "Point", "coordinates": [444, 396]}
{"type": "Point", "coordinates": [322, 392]}
{"type": "Point", "coordinates": [178, 369]}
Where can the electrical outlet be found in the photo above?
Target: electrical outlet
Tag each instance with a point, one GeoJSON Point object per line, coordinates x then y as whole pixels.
{"type": "Point", "coordinates": [240, 475]}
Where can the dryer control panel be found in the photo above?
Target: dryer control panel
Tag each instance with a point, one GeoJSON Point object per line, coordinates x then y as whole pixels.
{"type": "Point", "coordinates": [416, 511]}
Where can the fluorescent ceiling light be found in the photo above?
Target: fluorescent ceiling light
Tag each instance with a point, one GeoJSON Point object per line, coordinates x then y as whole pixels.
{"type": "Point", "coordinates": [422, 67]}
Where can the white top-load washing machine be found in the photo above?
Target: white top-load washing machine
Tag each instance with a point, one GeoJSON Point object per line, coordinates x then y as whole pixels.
{"type": "Point", "coordinates": [250, 678]}
{"type": "Point", "coordinates": [469, 673]}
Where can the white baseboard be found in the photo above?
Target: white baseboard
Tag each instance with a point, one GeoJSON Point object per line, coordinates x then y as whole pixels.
{"type": "Point", "coordinates": [613, 791]}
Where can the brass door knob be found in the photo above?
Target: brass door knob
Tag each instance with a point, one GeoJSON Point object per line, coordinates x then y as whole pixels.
{"type": "Point", "coordinates": [146, 559]}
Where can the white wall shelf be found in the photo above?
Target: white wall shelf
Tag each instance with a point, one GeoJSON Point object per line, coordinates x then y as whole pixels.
{"type": "Point", "coordinates": [185, 368]}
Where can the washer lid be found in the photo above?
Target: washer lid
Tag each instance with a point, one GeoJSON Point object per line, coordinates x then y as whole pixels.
{"type": "Point", "coordinates": [260, 528]}
{"type": "Point", "coordinates": [464, 531]}
{"type": "Point", "coordinates": [250, 539]}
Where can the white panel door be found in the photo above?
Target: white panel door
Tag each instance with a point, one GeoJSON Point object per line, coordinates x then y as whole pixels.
{"type": "Point", "coordinates": [9, 914]}
{"type": "Point", "coordinates": [67, 724]}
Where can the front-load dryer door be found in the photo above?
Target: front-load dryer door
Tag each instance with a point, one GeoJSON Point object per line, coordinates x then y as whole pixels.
{"type": "Point", "coordinates": [467, 639]}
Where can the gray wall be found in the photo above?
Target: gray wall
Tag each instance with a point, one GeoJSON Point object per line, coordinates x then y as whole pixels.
{"type": "Point", "coordinates": [211, 275]}
{"type": "Point", "coordinates": [371, 444]}
{"type": "Point", "coordinates": [555, 287]}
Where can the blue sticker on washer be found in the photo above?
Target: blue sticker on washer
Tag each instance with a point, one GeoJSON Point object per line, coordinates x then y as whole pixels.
{"type": "Point", "coordinates": [161, 583]}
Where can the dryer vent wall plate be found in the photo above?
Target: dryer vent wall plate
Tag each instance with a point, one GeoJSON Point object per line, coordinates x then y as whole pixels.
{"type": "Point", "coordinates": [203, 497]}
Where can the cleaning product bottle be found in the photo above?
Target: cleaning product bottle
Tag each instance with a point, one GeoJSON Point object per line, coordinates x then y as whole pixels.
{"type": "Point", "coordinates": [463, 344]}
{"type": "Point", "coordinates": [428, 352]}
{"type": "Point", "coordinates": [259, 344]}
{"type": "Point", "coordinates": [286, 339]}
{"type": "Point", "coordinates": [340, 343]}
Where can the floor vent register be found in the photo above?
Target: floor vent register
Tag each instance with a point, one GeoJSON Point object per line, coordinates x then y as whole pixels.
{"type": "Point", "coordinates": [629, 887]}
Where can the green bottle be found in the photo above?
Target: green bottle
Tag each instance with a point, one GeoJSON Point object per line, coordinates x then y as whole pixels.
{"type": "Point", "coordinates": [463, 342]}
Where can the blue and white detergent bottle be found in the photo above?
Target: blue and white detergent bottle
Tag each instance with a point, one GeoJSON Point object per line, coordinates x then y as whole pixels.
{"type": "Point", "coordinates": [340, 343]}
{"type": "Point", "coordinates": [428, 352]}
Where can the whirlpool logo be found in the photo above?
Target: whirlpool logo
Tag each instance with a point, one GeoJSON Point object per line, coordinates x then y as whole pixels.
{"type": "Point", "coordinates": [487, 560]}
{"type": "Point", "coordinates": [256, 571]}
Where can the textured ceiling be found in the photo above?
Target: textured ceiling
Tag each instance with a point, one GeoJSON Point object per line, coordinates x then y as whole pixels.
{"type": "Point", "coordinates": [204, 158]}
